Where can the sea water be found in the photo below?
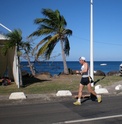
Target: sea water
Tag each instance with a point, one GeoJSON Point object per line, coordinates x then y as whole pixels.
{"type": "Point", "coordinates": [55, 67]}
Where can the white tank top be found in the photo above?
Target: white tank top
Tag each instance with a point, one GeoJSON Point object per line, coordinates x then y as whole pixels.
{"type": "Point", "coordinates": [86, 74]}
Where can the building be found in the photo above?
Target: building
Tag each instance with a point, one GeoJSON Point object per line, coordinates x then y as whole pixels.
{"type": "Point", "coordinates": [9, 62]}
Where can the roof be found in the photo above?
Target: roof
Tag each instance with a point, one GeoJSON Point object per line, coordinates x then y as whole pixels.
{"type": "Point", "coordinates": [3, 37]}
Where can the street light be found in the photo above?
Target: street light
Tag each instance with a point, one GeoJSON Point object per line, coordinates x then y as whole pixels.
{"type": "Point", "coordinates": [91, 42]}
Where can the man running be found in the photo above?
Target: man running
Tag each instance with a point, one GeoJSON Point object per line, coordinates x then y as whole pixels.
{"type": "Point", "coordinates": [85, 81]}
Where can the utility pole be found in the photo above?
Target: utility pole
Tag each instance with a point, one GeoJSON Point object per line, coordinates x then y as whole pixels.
{"type": "Point", "coordinates": [91, 42]}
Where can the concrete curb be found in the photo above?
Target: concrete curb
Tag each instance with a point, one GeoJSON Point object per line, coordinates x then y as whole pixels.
{"type": "Point", "coordinates": [118, 87]}
{"type": "Point", "coordinates": [17, 95]}
{"type": "Point", "coordinates": [63, 93]}
{"type": "Point", "coordinates": [100, 90]}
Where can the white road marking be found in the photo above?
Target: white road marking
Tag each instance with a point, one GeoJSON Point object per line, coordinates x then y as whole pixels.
{"type": "Point", "coordinates": [91, 119]}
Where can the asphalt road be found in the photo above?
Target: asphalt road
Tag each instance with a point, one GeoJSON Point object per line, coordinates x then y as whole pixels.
{"type": "Point", "coordinates": [64, 112]}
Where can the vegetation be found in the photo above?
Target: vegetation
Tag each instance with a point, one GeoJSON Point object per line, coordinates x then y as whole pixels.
{"type": "Point", "coordinates": [15, 41]}
{"type": "Point", "coordinates": [52, 85]}
{"type": "Point", "coordinates": [53, 26]}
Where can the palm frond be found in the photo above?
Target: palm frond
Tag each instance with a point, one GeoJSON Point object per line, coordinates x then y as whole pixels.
{"type": "Point", "coordinates": [15, 38]}
{"type": "Point", "coordinates": [63, 21]}
{"type": "Point", "coordinates": [55, 19]}
{"type": "Point", "coordinates": [42, 30]}
{"type": "Point", "coordinates": [66, 46]}
{"type": "Point", "coordinates": [46, 29]}
{"type": "Point", "coordinates": [49, 50]}
{"type": "Point", "coordinates": [67, 32]}
{"type": "Point", "coordinates": [41, 42]}
{"type": "Point", "coordinates": [44, 21]}
{"type": "Point", "coordinates": [48, 12]}
{"type": "Point", "coordinates": [44, 48]}
{"type": "Point", "coordinates": [39, 20]}
{"type": "Point", "coordinates": [26, 46]}
{"type": "Point", "coordinates": [35, 33]}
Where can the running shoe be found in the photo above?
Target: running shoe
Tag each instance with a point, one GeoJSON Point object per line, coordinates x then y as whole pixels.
{"type": "Point", "coordinates": [77, 103]}
{"type": "Point", "coordinates": [99, 99]}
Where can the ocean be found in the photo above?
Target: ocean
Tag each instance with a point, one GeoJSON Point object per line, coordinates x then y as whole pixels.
{"type": "Point", "coordinates": [55, 67]}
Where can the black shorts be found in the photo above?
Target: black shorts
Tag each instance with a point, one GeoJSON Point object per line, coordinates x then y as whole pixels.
{"type": "Point", "coordinates": [85, 81]}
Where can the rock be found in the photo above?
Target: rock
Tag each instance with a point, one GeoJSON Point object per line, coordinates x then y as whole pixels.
{"type": "Point", "coordinates": [55, 76]}
{"type": "Point", "coordinates": [98, 87]}
{"type": "Point", "coordinates": [101, 91]}
{"type": "Point", "coordinates": [70, 71]}
{"type": "Point", "coordinates": [118, 87]}
{"type": "Point", "coordinates": [44, 75]}
{"type": "Point", "coordinates": [25, 73]}
{"type": "Point", "coordinates": [99, 73]}
{"type": "Point", "coordinates": [112, 73]}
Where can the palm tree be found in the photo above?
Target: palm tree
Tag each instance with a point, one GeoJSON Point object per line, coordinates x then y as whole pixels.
{"type": "Point", "coordinates": [15, 39]}
{"type": "Point", "coordinates": [26, 46]}
{"type": "Point", "coordinates": [53, 26]}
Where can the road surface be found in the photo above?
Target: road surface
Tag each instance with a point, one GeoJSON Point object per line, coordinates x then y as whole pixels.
{"type": "Point", "coordinates": [64, 112]}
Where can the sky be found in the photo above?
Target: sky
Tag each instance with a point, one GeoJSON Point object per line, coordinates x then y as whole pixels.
{"type": "Point", "coordinates": [107, 25]}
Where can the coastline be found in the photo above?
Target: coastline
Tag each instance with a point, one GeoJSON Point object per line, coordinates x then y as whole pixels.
{"type": "Point", "coordinates": [56, 67]}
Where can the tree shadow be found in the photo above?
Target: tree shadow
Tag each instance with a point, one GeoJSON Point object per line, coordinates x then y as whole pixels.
{"type": "Point", "coordinates": [85, 99]}
{"type": "Point", "coordinates": [95, 82]}
{"type": "Point", "coordinates": [89, 97]}
{"type": "Point", "coordinates": [93, 97]}
{"type": "Point", "coordinates": [32, 80]}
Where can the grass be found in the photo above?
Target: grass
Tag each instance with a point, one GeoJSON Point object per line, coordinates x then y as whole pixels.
{"type": "Point", "coordinates": [52, 85]}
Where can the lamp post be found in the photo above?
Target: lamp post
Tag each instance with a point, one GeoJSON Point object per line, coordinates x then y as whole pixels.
{"type": "Point", "coordinates": [91, 42]}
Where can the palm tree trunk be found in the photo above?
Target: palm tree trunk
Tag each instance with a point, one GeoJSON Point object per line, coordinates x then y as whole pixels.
{"type": "Point", "coordinates": [30, 65]}
{"type": "Point", "coordinates": [64, 59]}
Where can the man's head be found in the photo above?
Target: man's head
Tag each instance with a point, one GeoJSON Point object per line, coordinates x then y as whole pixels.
{"type": "Point", "coordinates": [82, 59]}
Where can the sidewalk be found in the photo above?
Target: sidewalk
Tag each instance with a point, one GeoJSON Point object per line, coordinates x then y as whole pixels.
{"type": "Point", "coordinates": [33, 99]}
{"type": "Point", "coordinates": [45, 98]}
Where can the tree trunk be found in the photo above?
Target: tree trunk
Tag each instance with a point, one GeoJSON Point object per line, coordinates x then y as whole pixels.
{"type": "Point", "coordinates": [64, 59]}
{"type": "Point", "coordinates": [30, 65]}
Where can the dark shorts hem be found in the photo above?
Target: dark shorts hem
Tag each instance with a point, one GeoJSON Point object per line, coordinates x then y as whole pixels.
{"type": "Point", "coordinates": [85, 81]}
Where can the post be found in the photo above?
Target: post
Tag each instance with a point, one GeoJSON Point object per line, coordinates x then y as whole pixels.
{"type": "Point", "coordinates": [91, 42]}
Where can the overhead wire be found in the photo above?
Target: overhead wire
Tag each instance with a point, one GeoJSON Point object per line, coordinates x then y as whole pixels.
{"type": "Point", "coordinates": [97, 41]}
